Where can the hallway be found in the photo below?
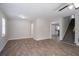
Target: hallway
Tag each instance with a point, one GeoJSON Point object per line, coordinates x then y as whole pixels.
{"type": "Point", "coordinates": [39, 29]}
{"type": "Point", "coordinates": [30, 47]}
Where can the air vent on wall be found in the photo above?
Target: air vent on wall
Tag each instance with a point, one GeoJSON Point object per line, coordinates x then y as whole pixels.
{"type": "Point", "coordinates": [70, 6]}
{"type": "Point", "coordinates": [63, 7]}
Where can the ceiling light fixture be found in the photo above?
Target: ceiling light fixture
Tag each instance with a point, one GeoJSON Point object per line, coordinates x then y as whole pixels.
{"type": "Point", "coordinates": [71, 6]}
{"type": "Point", "coordinates": [73, 16]}
{"type": "Point", "coordinates": [76, 5]}
{"type": "Point", "coordinates": [22, 16]}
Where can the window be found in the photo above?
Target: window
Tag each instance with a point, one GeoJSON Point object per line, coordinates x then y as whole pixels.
{"type": "Point", "coordinates": [3, 27]}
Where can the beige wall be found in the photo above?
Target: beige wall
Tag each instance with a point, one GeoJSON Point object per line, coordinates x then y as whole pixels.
{"type": "Point", "coordinates": [77, 28]}
{"type": "Point", "coordinates": [41, 29]}
{"type": "Point", "coordinates": [19, 28]}
{"type": "Point", "coordinates": [64, 22]}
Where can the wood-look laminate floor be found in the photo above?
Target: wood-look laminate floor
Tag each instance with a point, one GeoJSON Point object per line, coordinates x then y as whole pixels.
{"type": "Point", "coordinates": [30, 47]}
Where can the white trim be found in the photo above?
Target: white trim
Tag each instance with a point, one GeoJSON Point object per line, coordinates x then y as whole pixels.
{"type": "Point", "coordinates": [19, 38]}
{"type": "Point", "coordinates": [38, 39]}
{"type": "Point", "coordinates": [77, 44]}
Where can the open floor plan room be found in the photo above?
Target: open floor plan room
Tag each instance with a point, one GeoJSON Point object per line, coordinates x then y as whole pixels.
{"type": "Point", "coordinates": [39, 29]}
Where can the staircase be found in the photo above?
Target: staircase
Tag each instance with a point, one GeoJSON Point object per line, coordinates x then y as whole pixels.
{"type": "Point", "coordinates": [70, 33]}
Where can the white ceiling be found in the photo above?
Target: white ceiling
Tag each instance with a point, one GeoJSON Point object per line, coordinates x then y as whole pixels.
{"type": "Point", "coordinates": [34, 10]}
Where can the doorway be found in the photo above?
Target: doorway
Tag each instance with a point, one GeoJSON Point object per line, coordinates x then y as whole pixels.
{"type": "Point", "coordinates": [55, 31]}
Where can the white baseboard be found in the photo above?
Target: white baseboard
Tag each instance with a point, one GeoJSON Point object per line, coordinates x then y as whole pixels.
{"type": "Point", "coordinates": [77, 44]}
{"type": "Point", "coordinates": [37, 39]}
{"type": "Point", "coordinates": [19, 38]}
